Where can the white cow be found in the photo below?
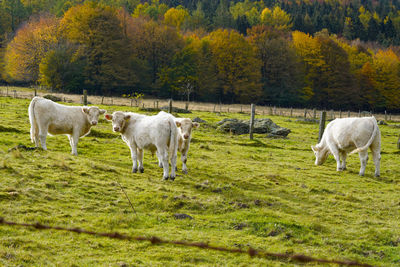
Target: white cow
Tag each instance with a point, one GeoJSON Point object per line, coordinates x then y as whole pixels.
{"type": "Point", "coordinates": [48, 117]}
{"type": "Point", "coordinates": [156, 133]}
{"type": "Point", "coordinates": [352, 135]}
{"type": "Point", "coordinates": [185, 126]}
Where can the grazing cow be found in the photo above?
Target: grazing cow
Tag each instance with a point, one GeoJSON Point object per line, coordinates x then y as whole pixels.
{"type": "Point", "coordinates": [48, 117]}
{"type": "Point", "coordinates": [185, 126]}
{"type": "Point", "coordinates": [156, 133]}
{"type": "Point", "coordinates": [352, 135]}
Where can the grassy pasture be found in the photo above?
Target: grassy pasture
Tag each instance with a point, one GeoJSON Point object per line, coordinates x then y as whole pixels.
{"type": "Point", "coordinates": [264, 193]}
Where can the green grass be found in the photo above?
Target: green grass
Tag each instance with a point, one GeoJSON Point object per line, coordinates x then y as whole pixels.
{"type": "Point", "coordinates": [264, 193]}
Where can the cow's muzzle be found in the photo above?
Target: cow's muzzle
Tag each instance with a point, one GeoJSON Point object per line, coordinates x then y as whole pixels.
{"type": "Point", "coordinates": [94, 123]}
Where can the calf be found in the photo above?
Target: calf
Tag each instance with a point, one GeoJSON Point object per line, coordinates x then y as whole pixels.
{"type": "Point", "coordinates": [156, 133]}
{"type": "Point", "coordinates": [352, 135]}
{"type": "Point", "coordinates": [48, 117]}
{"type": "Point", "coordinates": [185, 126]}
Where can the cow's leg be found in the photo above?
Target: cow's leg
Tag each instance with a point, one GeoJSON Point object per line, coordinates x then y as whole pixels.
{"type": "Point", "coordinates": [140, 159]}
{"type": "Point", "coordinates": [184, 160]}
{"type": "Point", "coordinates": [159, 159]}
{"type": "Point", "coordinates": [343, 156]}
{"type": "Point", "coordinates": [173, 165]}
{"type": "Point", "coordinates": [363, 159]}
{"type": "Point", "coordinates": [376, 156]}
{"type": "Point", "coordinates": [74, 144]}
{"type": "Point", "coordinates": [163, 152]}
{"type": "Point", "coordinates": [43, 135]}
{"type": "Point", "coordinates": [335, 153]}
{"type": "Point", "coordinates": [134, 157]}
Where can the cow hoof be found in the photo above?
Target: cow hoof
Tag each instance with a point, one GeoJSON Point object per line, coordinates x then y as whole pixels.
{"type": "Point", "coordinates": [377, 175]}
{"type": "Point", "coordinates": [176, 168]}
{"type": "Point", "coordinates": [361, 174]}
{"type": "Point", "coordinates": [134, 170]}
{"type": "Point", "coordinates": [185, 171]}
{"type": "Point", "coordinates": [141, 170]}
{"type": "Point", "coordinates": [160, 165]}
{"type": "Point", "coordinates": [172, 178]}
{"type": "Point", "coordinates": [165, 178]}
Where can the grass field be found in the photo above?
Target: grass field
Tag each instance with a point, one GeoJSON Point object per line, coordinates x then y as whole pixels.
{"type": "Point", "coordinates": [264, 193]}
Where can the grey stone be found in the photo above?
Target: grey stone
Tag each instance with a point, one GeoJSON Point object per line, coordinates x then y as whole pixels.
{"type": "Point", "coordinates": [197, 119]}
{"type": "Point", "coordinates": [181, 216]}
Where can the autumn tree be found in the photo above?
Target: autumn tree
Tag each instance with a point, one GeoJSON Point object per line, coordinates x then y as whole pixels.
{"type": "Point", "coordinates": [276, 18]}
{"type": "Point", "coordinates": [237, 65]}
{"type": "Point", "coordinates": [282, 74]}
{"type": "Point", "coordinates": [29, 46]}
{"type": "Point", "coordinates": [98, 32]}
{"type": "Point", "coordinates": [176, 17]}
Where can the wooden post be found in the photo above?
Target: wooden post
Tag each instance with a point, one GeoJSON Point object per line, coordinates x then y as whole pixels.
{"type": "Point", "coordinates": [291, 112]}
{"type": "Point", "coordinates": [142, 105]}
{"type": "Point", "coordinates": [340, 113]}
{"type": "Point", "coordinates": [36, 92]}
{"type": "Point", "coordinates": [131, 102]}
{"type": "Point", "coordinates": [170, 106]}
{"type": "Point", "coordinates": [398, 143]}
{"type": "Point", "coordinates": [241, 110]}
{"type": "Point", "coordinates": [321, 125]}
{"type": "Point", "coordinates": [385, 116]}
{"type": "Point", "coordinates": [390, 117]}
{"type": "Point", "coordinates": [157, 104]}
{"type": "Point", "coordinates": [85, 97]}
{"type": "Point", "coordinates": [102, 99]}
{"type": "Point", "coordinates": [348, 114]}
{"type": "Point", "coordinates": [270, 110]}
{"type": "Point", "coordinates": [314, 113]}
{"type": "Point", "coordinates": [64, 99]}
{"type": "Point", "coordinates": [274, 110]}
{"type": "Point", "coordinates": [7, 90]}
{"type": "Point", "coordinates": [359, 113]}
{"type": "Point", "coordinates": [253, 111]}
{"type": "Point", "coordinates": [187, 106]}
{"type": "Point", "coordinates": [112, 101]}
{"type": "Point", "coordinates": [305, 113]}
{"type": "Point", "coordinates": [15, 93]}
{"type": "Point", "coordinates": [214, 107]}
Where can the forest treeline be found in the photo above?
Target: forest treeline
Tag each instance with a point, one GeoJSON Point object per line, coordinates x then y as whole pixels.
{"type": "Point", "coordinates": [326, 54]}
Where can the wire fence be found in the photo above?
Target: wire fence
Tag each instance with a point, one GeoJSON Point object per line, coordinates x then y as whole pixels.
{"type": "Point", "coordinates": [156, 240]}
{"type": "Point", "coordinates": [17, 92]}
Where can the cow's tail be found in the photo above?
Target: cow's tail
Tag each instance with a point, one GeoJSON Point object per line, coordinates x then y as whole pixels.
{"type": "Point", "coordinates": [32, 119]}
{"type": "Point", "coordinates": [173, 141]}
{"type": "Point", "coordinates": [374, 133]}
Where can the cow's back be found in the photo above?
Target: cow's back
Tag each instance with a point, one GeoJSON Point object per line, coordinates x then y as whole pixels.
{"type": "Point", "coordinates": [350, 133]}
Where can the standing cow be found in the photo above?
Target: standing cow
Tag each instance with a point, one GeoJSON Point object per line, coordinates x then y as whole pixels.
{"type": "Point", "coordinates": [185, 126]}
{"type": "Point", "coordinates": [156, 133]}
{"type": "Point", "coordinates": [352, 135]}
{"type": "Point", "coordinates": [48, 117]}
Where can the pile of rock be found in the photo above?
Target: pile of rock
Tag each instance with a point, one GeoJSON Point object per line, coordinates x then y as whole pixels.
{"type": "Point", "coordinates": [261, 126]}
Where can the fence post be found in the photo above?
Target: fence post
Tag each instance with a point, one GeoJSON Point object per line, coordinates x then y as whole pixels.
{"type": "Point", "coordinates": [143, 105]}
{"type": "Point", "coordinates": [359, 113]}
{"type": "Point", "coordinates": [15, 93]}
{"type": "Point", "coordinates": [241, 110]}
{"type": "Point", "coordinates": [321, 125]}
{"type": "Point", "coordinates": [385, 116]}
{"type": "Point", "coordinates": [64, 100]}
{"type": "Point", "coordinates": [340, 113]}
{"type": "Point", "coordinates": [7, 90]}
{"type": "Point", "coordinates": [112, 101]}
{"type": "Point", "coordinates": [131, 102]}
{"type": "Point", "coordinates": [253, 111]}
{"type": "Point", "coordinates": [274, 110]}
{"type": "Point", "coordinates": [170, 106]}
{"type": "Point", "coordinates": [85, 97]}
{"type": "Point", "coordinates": [398, 143]}
{"type": "Point", "coordinates": [157, 104]}
{"type": "Point", "coordinates": [35, 92]}
{"type": "Point", "coordinates": [390, 117]}
{"type": "Point", "coordinates": [314, 113]}
{"type": "Point", "coordinates": [187, 106]}
{"type": "Point", "coordinates": [102, 99]}
{"type": "Point", "coordinates": [291, 112]}
{"type": "Point", "coordinates": [348, 113]}
{"type": "Point", "coordinates": [214, 107]}
{"type": "Point", "coordinates": [270, 110]}
{"type": "Point", "coordinates": [305, 113]}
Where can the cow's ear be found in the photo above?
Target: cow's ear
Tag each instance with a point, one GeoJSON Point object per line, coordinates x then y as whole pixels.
{"type": "Point", "coordinates": [196, 124]}
{"type": "Point", "coordinates": [102, 111]}
{"type": "Point", "coordinates": [178, 124]}
{"type": "Point", "coordinates": [85, 110]}
{"type": "Point", "coordinates": [108, 117]}
{"type": "Point", "coordinates": [127, 117]}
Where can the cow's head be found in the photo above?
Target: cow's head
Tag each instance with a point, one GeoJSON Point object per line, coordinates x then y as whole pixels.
{"type": "Point", "coordinates": [93, 114]}
{"type": "Point", "coordinates": [186, 126]}
{"type": "Point", "coordinates": [119, 120]}
{"type": "Point", "coordinates": [321, 154]}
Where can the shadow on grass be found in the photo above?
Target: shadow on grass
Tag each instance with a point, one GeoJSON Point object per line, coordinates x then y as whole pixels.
{"type": "Point", "coordinates": [10, 129]}
{"type": "Point", "coordinates": [258, 143]}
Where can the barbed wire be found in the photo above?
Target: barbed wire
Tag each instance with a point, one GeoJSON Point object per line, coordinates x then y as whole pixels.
{"type": "Point", "coordinates": [156, 240]}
